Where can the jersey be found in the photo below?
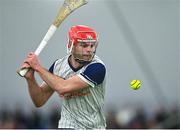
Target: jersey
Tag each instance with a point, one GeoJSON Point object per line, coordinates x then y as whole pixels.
{"type": "Point", "coordinates": [83, 109]}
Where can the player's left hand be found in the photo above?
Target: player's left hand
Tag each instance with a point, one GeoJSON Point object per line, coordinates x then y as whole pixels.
{"type": "Point", "coordinates": [32, 61]}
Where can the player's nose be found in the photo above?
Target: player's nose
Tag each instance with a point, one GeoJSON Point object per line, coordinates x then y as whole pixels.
{"type": "Point", "coordinates": [89, 48]}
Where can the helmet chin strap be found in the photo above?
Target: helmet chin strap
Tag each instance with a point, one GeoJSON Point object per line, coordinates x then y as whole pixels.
{"type": "Point", "coordinates": [82, 61]}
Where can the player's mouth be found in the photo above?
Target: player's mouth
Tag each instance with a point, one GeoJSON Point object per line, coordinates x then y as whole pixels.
{"type": "Point", "coordinates": [87, 56]}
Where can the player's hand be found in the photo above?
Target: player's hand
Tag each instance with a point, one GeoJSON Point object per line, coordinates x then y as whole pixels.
{"type": "Point", "coordinates": [30, 73]}
{"type": "Point", "coordinates": [32, 61]}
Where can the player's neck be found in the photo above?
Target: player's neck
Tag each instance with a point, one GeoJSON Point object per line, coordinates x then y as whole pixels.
{"type": "Point", "coordinates": [74, 63]}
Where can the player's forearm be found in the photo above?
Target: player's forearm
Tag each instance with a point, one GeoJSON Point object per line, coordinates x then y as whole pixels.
{"type": "Point", "coordinates": [56, 83]}
{"type": "Point", "coordinates": [35, 92]}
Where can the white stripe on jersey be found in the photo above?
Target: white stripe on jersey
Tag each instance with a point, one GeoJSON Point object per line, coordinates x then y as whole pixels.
{"type": "Point", "coordinates": [87, 81]}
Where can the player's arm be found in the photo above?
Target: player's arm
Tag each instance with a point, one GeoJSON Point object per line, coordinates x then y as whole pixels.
{"type": "Point", "coordinates": [93, 75]}
{"type": "Point", "coordinates": [59, 84]}
{"type": "Point", "coordinates": [39, 94]}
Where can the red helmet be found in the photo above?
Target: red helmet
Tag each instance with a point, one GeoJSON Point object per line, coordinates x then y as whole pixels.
{"type": "Point", "coordinates": [81, 33]}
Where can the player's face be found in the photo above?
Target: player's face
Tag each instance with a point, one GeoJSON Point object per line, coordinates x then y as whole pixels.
{"type": "Point", "coordinates": [85, 50]}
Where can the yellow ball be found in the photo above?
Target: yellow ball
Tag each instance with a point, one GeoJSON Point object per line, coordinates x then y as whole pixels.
{"type": "Point", "coordinates": [135, 84]}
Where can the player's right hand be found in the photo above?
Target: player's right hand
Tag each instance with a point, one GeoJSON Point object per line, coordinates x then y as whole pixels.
{"type": "Point", "coordinates": [30, 73]}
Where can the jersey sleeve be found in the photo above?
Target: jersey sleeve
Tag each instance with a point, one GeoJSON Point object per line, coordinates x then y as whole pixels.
{"type": "Point", "coordinates": [51, 68]}
{"type": "Point", "coordinates": [94, 74]}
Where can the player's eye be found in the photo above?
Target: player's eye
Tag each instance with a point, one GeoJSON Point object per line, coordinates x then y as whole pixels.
{"type": "Point", "coordinates": [86, 44]}
{"type": "Point", "coordinates": [92, 45]}
{"type": "Point", "coordinates": [83, 44]}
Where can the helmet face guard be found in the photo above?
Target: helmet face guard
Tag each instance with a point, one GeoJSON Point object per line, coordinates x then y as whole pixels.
{"type": "Point", "coordinates": [85, 37]}
{"type": "Point", "coordinates": [81, 55]}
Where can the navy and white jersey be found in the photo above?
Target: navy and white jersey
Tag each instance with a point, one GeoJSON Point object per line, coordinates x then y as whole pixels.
{"type": "Point", "coordinates": [83, 109]}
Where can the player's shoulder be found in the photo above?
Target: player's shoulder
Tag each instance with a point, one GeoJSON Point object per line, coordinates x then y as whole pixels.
{"type": "Point", "coordinates": [61, 60]}
{"type": "Point", "coordinates": [94, 73]}
{"type": "Point", "coordinates": [58, 63]}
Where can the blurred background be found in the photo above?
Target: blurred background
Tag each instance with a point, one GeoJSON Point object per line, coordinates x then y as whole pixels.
{"type": "Point", "coordinates": [138, 39]}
